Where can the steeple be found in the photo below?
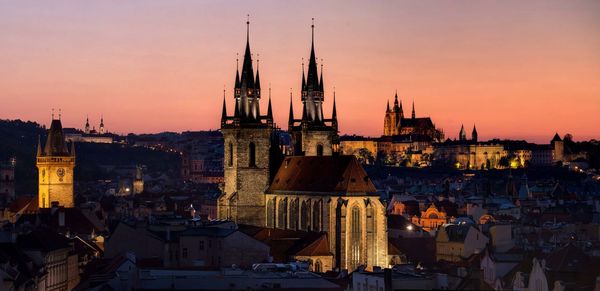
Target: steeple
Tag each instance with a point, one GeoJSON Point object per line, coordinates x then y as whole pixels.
{"type": "Point", "coordinates": [334, 111]}
{"type": "Point", "coordinates": [312, 78]}
{"type": "Point", "coordinates": [39, 147]}
{"type": "Point", "coordinates": [247, 77]}
{"type": "Point", "coordinates": [388, 106]}
{"type": "Point", "coordinates": [462, 135]}
{"type": "Point", "coordinates": [413, 110]}
{"type": "Point", "coordinates": [55, 143]}
{"type": "Point", "coordinates": [321, 81]}
{"type": "Point", "coordinates": [401, 110]}
{"type": "Point", "coordinates": [87, 124]}
{"type": "Point", "coordinates": [474, 134]}
{"type": "Point", "coordinates": [224, 113]}
{"type": "Point", "coordinates": [396, 102]}
{"type": "Point", "coordinates": [237, 72]}
{"type": "Point", "coordinates": [303, 78]}
{"type": "Point", "coordinates": [257, 83]}
{"type": "Point", "coordinates": [101, 129]}
{"type": "Point", "coordinates": [291, 117]}
{"type": "Point", "coordinates": [269, 109]}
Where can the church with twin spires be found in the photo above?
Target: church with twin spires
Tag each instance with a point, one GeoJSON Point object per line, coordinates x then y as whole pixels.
{"type": "Point", "coordinates": [316, 189]}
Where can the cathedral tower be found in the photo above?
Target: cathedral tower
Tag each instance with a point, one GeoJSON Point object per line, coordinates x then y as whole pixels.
{"type": "Point", "coordinates": [248, 138]}
{"type": "Point", "coordinates": [55, 165]}
{"type": "Point", "coordinates": [313, 135]}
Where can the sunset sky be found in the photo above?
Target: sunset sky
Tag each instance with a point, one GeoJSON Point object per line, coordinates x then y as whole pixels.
{"type": "Point", "coordinates": [517, 69]}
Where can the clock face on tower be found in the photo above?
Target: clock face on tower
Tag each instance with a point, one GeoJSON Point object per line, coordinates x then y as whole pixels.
{"type": "Point", "coordinates": [61, 173]}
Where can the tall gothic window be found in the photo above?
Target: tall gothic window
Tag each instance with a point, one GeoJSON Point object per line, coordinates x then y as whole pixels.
{"type": "Point", "coordinates": [319, 150]}
{"type": "Point", "coordinates": [282, 214]}
{"type": "Point", "coordinates": [230, 162]}
{"type": "Point", "coordinates": [293, 214]}
{"type": "Point", "coordinates": [271, 213]}
{"type": "Point", "coordinates": [252, 155]}
{"type": "Point", "coordinates": [355, 238]}
{"type": "Point", "coordinates": [305, 216]}
{"type": "Point", "coordinates": [316, 216]}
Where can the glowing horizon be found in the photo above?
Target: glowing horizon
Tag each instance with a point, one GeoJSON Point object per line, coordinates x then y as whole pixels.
{"type": "Point", "coordinates": [518, 70]}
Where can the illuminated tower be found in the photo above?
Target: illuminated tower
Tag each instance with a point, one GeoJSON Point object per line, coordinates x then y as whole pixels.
{"type": "Point", "coordinates": [247, 156]}
{"type": "Point", "coordinates": [474, 136]}
{"type": "Point", "coordinates": [101, 129]}
{"type": "Point", "coordinates": [313, 135]}
{"type": "Point", "coordinates": [462, 135]}
{"type": "Point", "coordinates": [138, 181]}
{"type": "Point", "coordinates": [87, 125]}
{"type": "Point", "coordinates": [55, 163]}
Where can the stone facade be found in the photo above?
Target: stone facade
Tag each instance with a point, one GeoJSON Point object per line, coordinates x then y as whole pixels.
{"type": "Point", "coordinates": [338, 216]}
{"type": "Point", "coordinates": [315, 142]}
{"type": "Point", "coordinates": [243, 197]}
{"type": "Point", "coordinates": [56, 167]}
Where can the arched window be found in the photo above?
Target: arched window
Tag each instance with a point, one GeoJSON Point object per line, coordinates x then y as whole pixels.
{"type": "Point", "coordinates": [293, 219]}
{"type": "Point", "coordinates": [282, 214]}
{"type": "Point", "coordinates": [252, 155]}
{"type": "Point", "coordinates": [316, 216]}
{"type": "Point", "coordinates": [230, 162]}
{"type": "Point", "coordinates": [319, 150]}
{"type": "Point", "coordinates": [355, 238]}
{"type": "Point", "coordinates": [305, 215]}
{"type": "Point", "coordinates": [318, 266]}
{"type": "Point", "coordinates": [271, 213]}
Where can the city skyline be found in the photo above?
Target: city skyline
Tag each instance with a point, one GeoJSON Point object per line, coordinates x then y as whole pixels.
{"type": "Point", "coordinates": [150, 72]}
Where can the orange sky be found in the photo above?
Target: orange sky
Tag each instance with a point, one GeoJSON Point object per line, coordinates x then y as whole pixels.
{"type": "Point", "coordinates": [518, 69]}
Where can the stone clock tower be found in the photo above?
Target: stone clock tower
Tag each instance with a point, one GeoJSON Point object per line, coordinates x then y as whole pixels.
{"type": "Point", "coordinates": [55, 163]}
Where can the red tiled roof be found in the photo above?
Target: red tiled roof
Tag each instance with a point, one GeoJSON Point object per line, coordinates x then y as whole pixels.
{"type": "Point", "coordinates": [322, 174]}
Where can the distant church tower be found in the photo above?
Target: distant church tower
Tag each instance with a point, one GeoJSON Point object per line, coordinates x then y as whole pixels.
{"type": "Point", "coordinates": [101, 130]}
{"type": "Point", "coordinates": [393, 117]}
{"type": "Point", "coordinates": [247, 139]}
{"type": "Point", "coordinates": [313, 135]}
{"type": "Point", "coordinates": [55, 165]}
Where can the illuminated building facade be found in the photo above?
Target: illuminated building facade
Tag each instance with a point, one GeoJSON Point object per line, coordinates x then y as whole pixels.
{"type": "Point", "coordinates": [55, 163]}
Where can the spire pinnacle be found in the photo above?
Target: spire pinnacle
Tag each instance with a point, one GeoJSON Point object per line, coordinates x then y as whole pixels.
{"type": "Point", "coordinates": [39, 147]}
{"type": "Point", "coordinates": [269, 109]}
{"type": "Point", "coordinates": [313, 29]}
{"type": "Point", "coordinates": [334, 113]}
{"type": "Point", "coordinates": [248, 28]}
{"type": "Point", "coordinates": [291, 117]}
{"type": "Point", "coordinates": [224, 113]}
{"type": "Point", "coordinates": [321, 81]}
{"type": "Point", "coordinates": [413, 109]}
{"type": "Point", "coordinates": [388, 106]}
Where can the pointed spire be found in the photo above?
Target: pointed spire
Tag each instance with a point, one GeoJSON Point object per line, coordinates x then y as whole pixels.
{"type": "Point", "coordinates": [396, 101]}
{"type": "Point", "coordinates": [388, 106]}
{"type": "Point", "coordinates": [269, 109]}
{"type": "Point", "coordinates": [413, 110]}
{"type": "Point", "coordinates": [303, 78]}
{"type": "Point", "coordinates": [474, 135]}
{"type": "Point", "coordinates": [334, 113]}
{"type": "Point", "coordinates": [291, 117]}
{"type": "Point", "coordinates": [237, 71]}
{"type": "Point", "coordinates": [236, 110]}
{"type": "Point", "coordinates": [257, 83]}
{"type": "Point", "coordinates": [321, 81]}
{"type": "Point", "coordinates": [312, 78]}
{"type": "Point", "coordinates": [224, 113]}
{"type": "Point", "coordinates": [401, 110]}
{"type": "Point", "coordinates": [39, 147]}
{"type": "Point", "coordinates": [462, 135]}
{"type": "Point", "coordinates": [247, 77]}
